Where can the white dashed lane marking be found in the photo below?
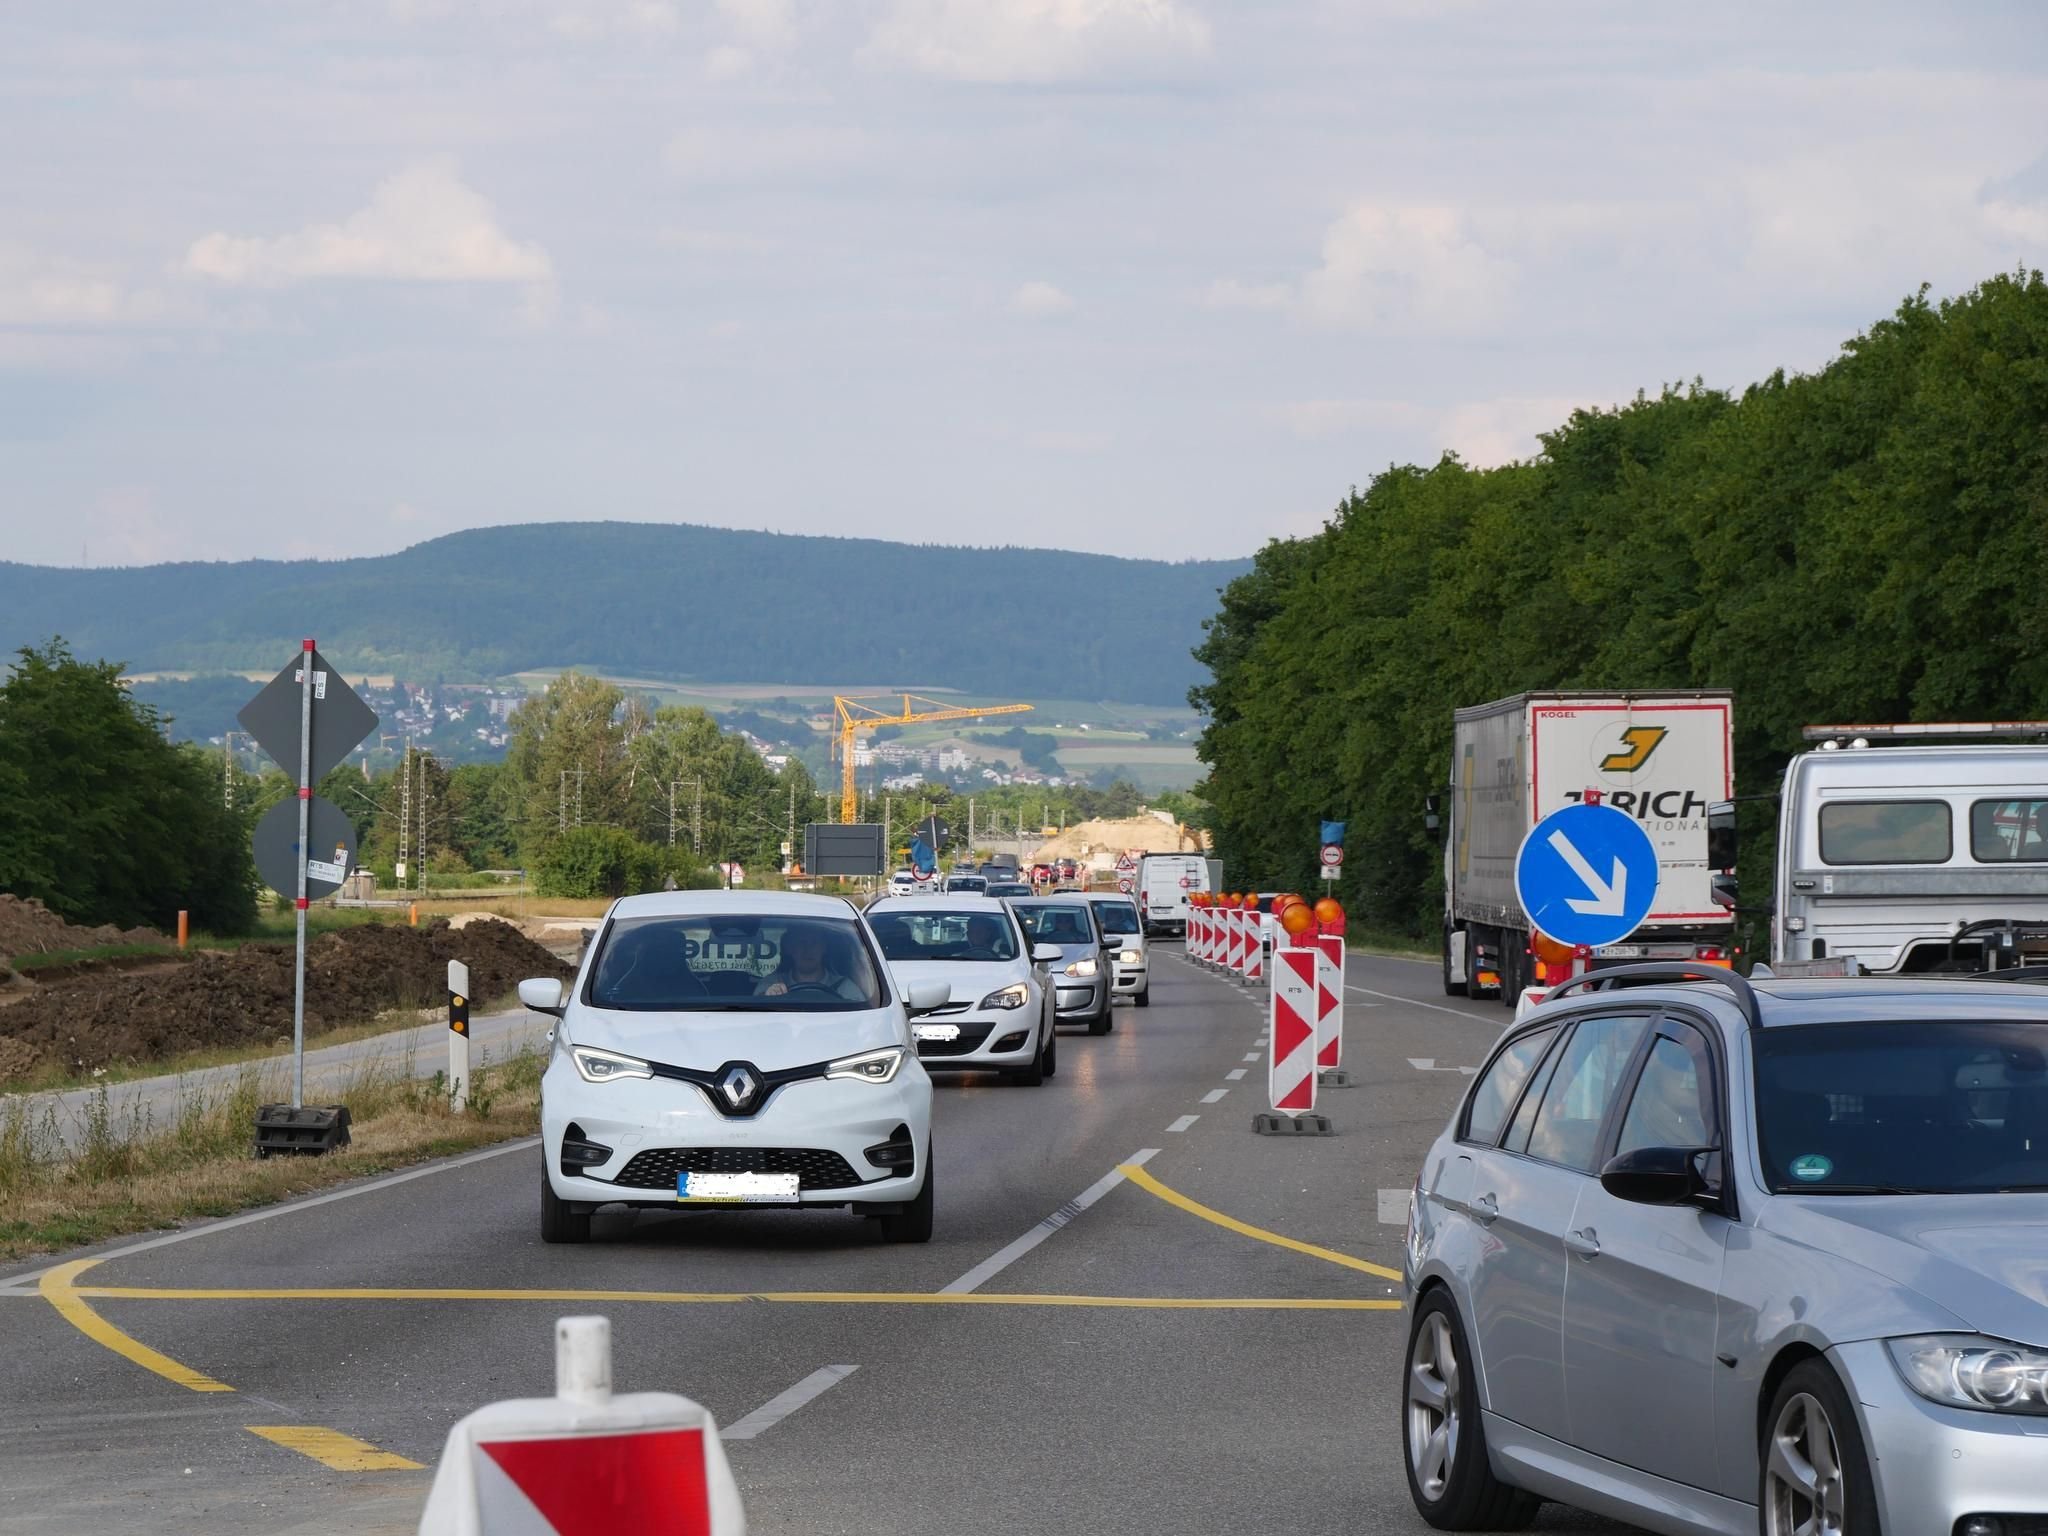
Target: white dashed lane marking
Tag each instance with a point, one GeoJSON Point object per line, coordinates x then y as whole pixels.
{"type": "Point", "coordinates": [1183, 1123]}
{"type": "Point", "coordinates": [1214, 1095]}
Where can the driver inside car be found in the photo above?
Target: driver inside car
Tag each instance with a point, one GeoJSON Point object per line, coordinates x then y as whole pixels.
{"type": "Point", "coordinates": [803, 966]}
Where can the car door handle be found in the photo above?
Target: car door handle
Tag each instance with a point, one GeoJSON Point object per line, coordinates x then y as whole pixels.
{"type": "Point", "coordinates": [1486, 1210]}
{"type": "Point", "coordinates": [1585, 1243]}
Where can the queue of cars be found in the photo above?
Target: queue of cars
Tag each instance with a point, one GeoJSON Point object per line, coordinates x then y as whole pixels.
{"type": "Point", "coordinates": [729, 1050]}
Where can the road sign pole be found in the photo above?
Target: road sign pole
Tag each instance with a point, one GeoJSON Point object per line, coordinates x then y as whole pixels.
{"type": "Point", "coordinates": [305, 815]}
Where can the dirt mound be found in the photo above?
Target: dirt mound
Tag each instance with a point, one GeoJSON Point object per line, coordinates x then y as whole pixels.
{"type": "Point", "coordinates": [244, 996]}
{"type": "Point", "coordinates": [27, 927]}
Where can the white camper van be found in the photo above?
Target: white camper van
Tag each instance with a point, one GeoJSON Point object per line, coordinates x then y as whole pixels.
{"type": "Point", "coordinates": [1909, 848]}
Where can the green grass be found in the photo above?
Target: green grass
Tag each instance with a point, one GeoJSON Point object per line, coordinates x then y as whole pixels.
{"type": "Point", "coordinates": [1391, 941]}
{"type": "Point", "coordinates": [28, 965]}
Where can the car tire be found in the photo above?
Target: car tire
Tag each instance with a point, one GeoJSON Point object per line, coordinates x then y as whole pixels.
{"type": "Point", "coordinates": [1811, 1411]}
{"type": "Point", "coordinates": [1052, 1051]}
{"type": "Point", "coordinates": [1512, 961]}
{"type": "Point", "coordinates": [1100, 1024]}
{"type": "Point", "coordinates": [1033, 1075]}
{"type": "Point", "coordinates": [1451, 988]}
{"type": "Point", "coordinates": [560, 1221]}
{"type": "Point", "coordinates": [1442, 1439]}
{"type": "Point", "coordinates": [1145, 995]}
{"type": "Point", "coordinates": [914, 1223]}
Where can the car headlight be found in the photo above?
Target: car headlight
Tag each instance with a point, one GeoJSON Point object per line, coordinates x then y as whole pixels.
{"type": "Point", "coordinates": [596, 1066]}
{"type": "Point", "coordinates": [1010, 997]}
{"type": "Point", "coordinates": [1130, 957]}
{"type": "Point", "coordinates": [869, 1066]}
{"type": "Point", "coordinates": [1970, 1371]}
{"type": "Point", "coordinates": [1081, 968]}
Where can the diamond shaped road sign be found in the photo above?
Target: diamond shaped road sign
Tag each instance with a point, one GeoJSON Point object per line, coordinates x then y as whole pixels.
{"type": "Point", "coordinates": [330, 847]}
{"type": "Point", "coordinates": [340, 718]}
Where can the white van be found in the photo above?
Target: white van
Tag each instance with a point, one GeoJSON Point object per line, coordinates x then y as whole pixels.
{"type": "Point", "coordinates": [1163, 886]}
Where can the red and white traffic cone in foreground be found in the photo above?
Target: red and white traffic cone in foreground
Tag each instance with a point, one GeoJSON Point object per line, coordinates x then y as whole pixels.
{"type": "Point", "coordinates": [585, 1462]}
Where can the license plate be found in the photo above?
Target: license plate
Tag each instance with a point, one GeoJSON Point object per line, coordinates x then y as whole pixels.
{"type": "Point", "coordinates": [746, 1188]}
{"type": "Point", "coordinates": [1618, 952]}
{"type": "Point", "coordinates": [935, 1031]}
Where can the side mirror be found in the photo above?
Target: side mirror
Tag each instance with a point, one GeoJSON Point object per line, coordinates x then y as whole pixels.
{"type": "Point", "coordinates": [926, 997]}
{"type": "Point", "coordinates": [543, 994]}
{"type": "Point", "coordinates": [1722, 887]}
{"type": "Point", "coordinates": [1045, 954]}
{"type": "Point", "coordinates": [1721, 835]}
{"type": "Point", "coordinates": [1654, 1175]}
{"type": "Point", "coordinates": [1431, 821]}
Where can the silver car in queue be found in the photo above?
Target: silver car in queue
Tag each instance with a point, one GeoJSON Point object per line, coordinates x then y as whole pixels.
{"type": "Point", "coordinates": [1082, 976]}
{"type": "Point", "coordinates": [1740, 1256]}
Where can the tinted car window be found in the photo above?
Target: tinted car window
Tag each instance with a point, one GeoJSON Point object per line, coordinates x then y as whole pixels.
{"type": "Point", "coordinates": [943, 935]}
{"type": "Point", "coordinates": [1673, 1105]}
{"type": "Point", "coordinates": [1885, 832]}
{"type": "Point", "coordinates": [1954, 1104]}
{"type": "Point", "coordinates": [1494, 1092]}
{"type": "Point", "coordinates": [2009, 831]}
{"type": "Point", "coordinates": [729, 962]}
{"type": "Point", "coordinates": [1588, 1076]}
{"type": "Point", "coordinates": [1117, 917]}
{"type": "Point", "coordinates": [1056, 925]}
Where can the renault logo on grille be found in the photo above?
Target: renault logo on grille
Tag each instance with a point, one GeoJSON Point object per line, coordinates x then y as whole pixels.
{"type": "Point", "coordinates": [739, 1085]}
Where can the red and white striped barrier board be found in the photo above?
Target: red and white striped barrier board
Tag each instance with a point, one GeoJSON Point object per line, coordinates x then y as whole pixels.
{"type": "Point", "coordinates": [1198, 935]}
{"type": "Point", "coordinates": [1255, 946]}
{"type": "Point", "coordinates": [1240, 932]}
{"type": "Point", "coordinates": [585, 1462]}
{"type": "Point", "coordinates": [1330, 1001]}
{"type": "Point", "coordinates": [1291, 1074]}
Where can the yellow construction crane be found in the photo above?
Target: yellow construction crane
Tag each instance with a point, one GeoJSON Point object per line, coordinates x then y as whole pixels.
{"type": "Point", "coordinates": [857, 715]}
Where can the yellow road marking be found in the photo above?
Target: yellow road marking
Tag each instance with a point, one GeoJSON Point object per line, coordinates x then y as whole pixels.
{"type": "Point", "coordinates": [58, 1290]}
{"type": "Point", "coordinates": [680, 1298]}
{"type": "Point", "coordinates": [1150, 1185]}
{"type": "Point", "coordinates": [331, 1448]}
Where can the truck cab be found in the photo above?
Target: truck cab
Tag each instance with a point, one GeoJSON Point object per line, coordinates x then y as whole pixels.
{"type": "Point", "coordinates": [1901, 859]}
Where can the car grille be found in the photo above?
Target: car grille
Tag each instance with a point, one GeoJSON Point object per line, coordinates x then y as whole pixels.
{"type": "Point", "coordinates": [659, 1167]}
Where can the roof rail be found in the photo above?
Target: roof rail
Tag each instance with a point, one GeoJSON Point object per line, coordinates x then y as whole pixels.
{"type": "Point", "coordinates": [1670, 970]}
{"type": "Point", "coordinates": [1944, 730]}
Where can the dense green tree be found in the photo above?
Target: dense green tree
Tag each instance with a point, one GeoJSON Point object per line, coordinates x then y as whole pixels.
{"type": "Point", "coordinates": [1862, 543]}
{"type": "Point", "coordinates": [101, 817]}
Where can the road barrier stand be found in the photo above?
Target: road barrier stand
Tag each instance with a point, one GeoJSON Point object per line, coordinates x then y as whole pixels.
{"type": "Point", "coordinates": [1198, 918]}
{"type": "Point", "coordinates": [458, 1036]}
{"type": "Point", "coordinates": [1291, 1069]}
{"type": "Point", "coordinates": [1330, 1008]}
{"type": "Point", "coordinates": [585, 1462]}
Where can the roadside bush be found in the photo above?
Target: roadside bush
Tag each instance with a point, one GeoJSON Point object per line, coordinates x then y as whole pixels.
{"type": "Point", "coordinates": [586, 862]}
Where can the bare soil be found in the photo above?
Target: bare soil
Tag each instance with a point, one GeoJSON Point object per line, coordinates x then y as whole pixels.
{"type": "Point", "coordinates": [244, 996]}
{"type": "Point", "coordinates": [27, 927]}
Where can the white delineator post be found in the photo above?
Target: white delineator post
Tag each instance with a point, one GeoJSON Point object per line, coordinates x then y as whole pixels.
{"type": "Point", "coordinates": [585, 1462]}
{"type": "Point", "coordinates": [458, 1036]}
{"type": "Point", "coordinates": [1291, 1071]}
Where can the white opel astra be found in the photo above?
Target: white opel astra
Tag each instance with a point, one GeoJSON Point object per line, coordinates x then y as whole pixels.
{"type": "Point", "coordinates": [734, 1049]}
{"type": "Point", "coordinates": [998, 1013]}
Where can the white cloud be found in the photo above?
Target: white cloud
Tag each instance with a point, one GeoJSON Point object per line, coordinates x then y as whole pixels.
{"type": "Point", "coordinates": [764, 24]}
{"type": "Point", "coordinates": [1041, 299]}
{"type": "Point", "coordinates": [1405, 269]}
{"type": "Point", "coordinates": [422, 225]}
{"type": "Point", "coordinates": [1483, 433]}
{"type": "Point", "coordinates": [593, 19]}
{"type": "Point", "coordinates": [1003, 41]}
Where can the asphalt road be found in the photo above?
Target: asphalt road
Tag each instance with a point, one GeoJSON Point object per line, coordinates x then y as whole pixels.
{"type": "Point", "coordinates": [1132, 1411]}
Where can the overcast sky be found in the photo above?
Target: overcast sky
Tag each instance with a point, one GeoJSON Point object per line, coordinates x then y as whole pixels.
{"type": "Point", "coordinates": [1156, 277]}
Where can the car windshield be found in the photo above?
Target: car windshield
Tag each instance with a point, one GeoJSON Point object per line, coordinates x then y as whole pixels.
{"type": "Point", "coordinates": [944, 935]}
{"type": "Point", "coordinates": [967, 884]}
{"type": "Point", "coordinates": [1117, 917]}
{"type": "Point", "coordinates": [1009, 889]}
{"type": "Point", "coordinates": [734, 962]}
{"type": "Point", "coordinates": [1904, 1108]}
{"type": "Point", "coordinates": [1049, 924]}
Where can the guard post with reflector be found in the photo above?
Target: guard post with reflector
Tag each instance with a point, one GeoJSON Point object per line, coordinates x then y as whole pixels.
{"type": "Point", "coordinates": [585, 1462]}
{"type": "Point", "coordinates": [458, 1036]}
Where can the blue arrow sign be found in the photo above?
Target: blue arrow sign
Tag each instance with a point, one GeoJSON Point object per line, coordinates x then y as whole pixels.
{"type": "Point", "coordinates": [1587, 874]}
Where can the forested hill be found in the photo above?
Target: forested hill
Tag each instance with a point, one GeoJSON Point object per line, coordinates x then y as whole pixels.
{"type": "Point", "coordinates": [655, 600]}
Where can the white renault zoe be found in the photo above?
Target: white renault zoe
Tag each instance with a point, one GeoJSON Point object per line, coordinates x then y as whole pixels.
{"type": "Point", "coordinates": [734, 1049]}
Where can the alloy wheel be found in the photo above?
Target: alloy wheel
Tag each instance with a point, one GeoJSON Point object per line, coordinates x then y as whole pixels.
{"type": "Point", "coordinates": [1433, 1406]}
{"type": "Point", "coordinates": [1803, 1487]}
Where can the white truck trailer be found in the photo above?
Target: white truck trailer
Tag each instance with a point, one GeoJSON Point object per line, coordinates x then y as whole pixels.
{"type": "Point", "coordinates": [1663, 758]}
{"type": "Point", "coordinates": [1905, 849]}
